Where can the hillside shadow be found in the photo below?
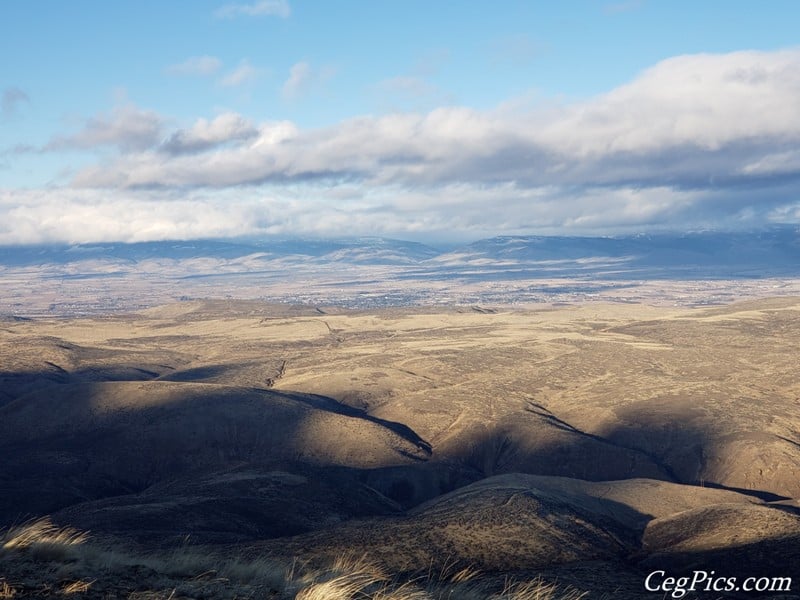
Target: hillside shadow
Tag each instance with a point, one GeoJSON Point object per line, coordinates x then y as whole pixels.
{"type": "Point", "coordinates": [64, 442]}
{"type": "Point", "coordinates": [197, 373]}
{"type": "Point", "coordinates": [62, 453]}
{"type": "Point", "coordinates": [671, 447]}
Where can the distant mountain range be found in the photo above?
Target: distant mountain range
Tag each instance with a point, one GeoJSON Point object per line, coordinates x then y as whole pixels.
{"type": "Point", "coordinates": [716, 254]}
{"type": "Point", "coordinates": [712, 254]}
{"type": "Point", "coordinates": [682, 269]}
{"type": "Point", "coordinates": [357, 250]}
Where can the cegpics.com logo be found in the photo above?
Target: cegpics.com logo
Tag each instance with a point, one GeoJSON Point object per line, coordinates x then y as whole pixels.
{"type": "Point", "coordinates": [709, 581]}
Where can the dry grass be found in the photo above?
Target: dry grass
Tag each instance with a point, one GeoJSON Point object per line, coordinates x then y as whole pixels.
{"type": "Point", "coordinates": [348, 577]}
{"type": "Point", "coordinates": [41, 531]}
{"type": "Point", "coordinates": [344, 586]}
{"type": "Point", "coordinates": [77, 587]}
{"type": "Point", "coordinates": [43, 540]}
{"type": "Point", "coordinates": [405, 591]}
{"type": "Point", "coordinates": [359, 579]}
{"type": "Point", "coordinates": [196, 572]}
{"type": "Point", "coordinates": [537, 589]}
{"type": "Point", "coordinates": [6, 591]}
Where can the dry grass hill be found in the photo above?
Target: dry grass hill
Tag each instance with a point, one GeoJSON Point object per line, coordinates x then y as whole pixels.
{"type": "Point", "coordinates": [232, 449]}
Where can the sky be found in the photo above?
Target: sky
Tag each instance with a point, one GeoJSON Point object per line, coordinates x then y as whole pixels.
{"type": "Point", "coordinates": [150, 120]}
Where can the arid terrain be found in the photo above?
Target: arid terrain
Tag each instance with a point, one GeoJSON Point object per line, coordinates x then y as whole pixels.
{"type": "Point", "coordinates": [237, 449]}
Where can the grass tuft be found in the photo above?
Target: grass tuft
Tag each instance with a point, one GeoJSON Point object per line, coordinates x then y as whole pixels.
{"type": "Point", "coordinates": [537, 589]}
{"type": "Point", "coordinates": [348, 577]}
{"type": "Point", "coordinates": [43, 540]}
{"type": "Point", "coordinates": [77, 587]}
{"type": "Point", "coordinates": [42, 531]}
{"type": "Point", "coordinates": [6, 591]}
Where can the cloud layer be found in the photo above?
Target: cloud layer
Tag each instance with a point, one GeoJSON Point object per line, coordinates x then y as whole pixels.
{"type": "Point", "coordinates": [695, 140]}
{"type": "Point", "coordinates": [689, 122]}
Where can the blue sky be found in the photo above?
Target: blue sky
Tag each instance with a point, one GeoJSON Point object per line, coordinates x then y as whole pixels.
{"type": "Point", "coordinates": [154, 120]}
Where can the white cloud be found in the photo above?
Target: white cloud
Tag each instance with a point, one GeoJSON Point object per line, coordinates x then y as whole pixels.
{"type": "Point", "coordinates": [705, 101]}
{"type": "Point", "coordinates": [688, 122]}
{"type": "Point", "coordinates": [205, 134]}
{"type": "Point", "coordinates": [455, 210]}
{"type": "Point", "coordinates": [196, 65]}
{"type": "Point", "coordinates": [277, 8]}
{"type": "Point", "coordinates": [244, 73]}
{"type": "Point", "coordinates": [774, 164]}
{"type": "Point", "coordinates": [89, 216]}
{"type": "Point", "coordinates": [126, 127]}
